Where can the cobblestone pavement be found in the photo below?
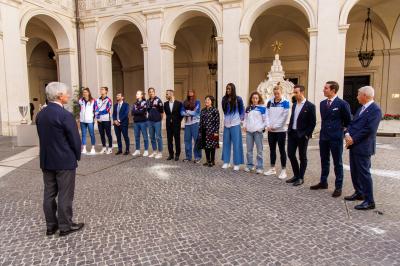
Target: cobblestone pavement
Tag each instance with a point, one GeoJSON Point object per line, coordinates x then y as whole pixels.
{"type": "Point", "coordinates": [141, 211]}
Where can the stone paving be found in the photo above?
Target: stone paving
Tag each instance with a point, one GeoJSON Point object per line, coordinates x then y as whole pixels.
{"type": "Point", "coordinates": [141, 211]}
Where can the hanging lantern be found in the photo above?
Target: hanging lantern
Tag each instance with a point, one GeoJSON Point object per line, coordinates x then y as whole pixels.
{"type": "Point", "coordinates": [212, 54]}
{"type": "Point", "coordinates": [364, 55]}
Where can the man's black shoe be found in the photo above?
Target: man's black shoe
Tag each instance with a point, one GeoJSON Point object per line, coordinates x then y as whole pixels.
{"type": "Point", "coordinates": [354, 197]}
{"type": "Point", "coordinates": [126, 153]}
{"type": "Point", "coordinates": [118, 153]}
{"type": "Point", "coordinates": [74, 228]}
{"type": "Point", "coordinates": [170, 158]}
{"type": "Point", "coordinates": [365, 206]}
{"type": "Point", "coordinates": [319, 186]}
{"type": "Point", "coordinates": [52, 231]}
{"type": "Point", "coordinates": [291, 180]}
{"type": "Point", "coordinates": [176, 159]}
{"type": "Point", "coordinates": [298, 182]}
{"type": "Point", "coordinates": [337, 193]}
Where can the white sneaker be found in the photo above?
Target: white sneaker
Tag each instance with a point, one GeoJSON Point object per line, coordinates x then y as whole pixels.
{"type": "Point", "coordinates": [225, 166]}
{"type": "Point", "coordinates": [84, 151]}
{"type": "Point", "coordinates": [271, 171]}
{"type": "Point", "coordinates": [136, 153]}
{"type": "Point", "coordinates": [145, 153]}
{"type": "Point", "coordinates": [92, 151]}
{"type": "Point", "coordinates": [236, 168]}
{"type": "Point", "coordinates": [259, 171]}
{"type": "Point", "coordinates": [154, 154]}
{"type": "Point", "coordinates": [247, 169]}
{"type": "Point", "coordinates": [283, 174]}
{"type": "Point", "coordinates": [109, 151]}
{"type": "Point", "coordinates": [158, 155]}
{"type": "Point", "coordinates": [103, 150]}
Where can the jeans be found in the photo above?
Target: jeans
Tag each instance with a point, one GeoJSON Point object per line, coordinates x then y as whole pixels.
{"type": "Point", "coordinates": [257, 138]}
{"type": "Point", "coordinates": [122, 129]}
{"type": "Point", "coordinates": [190, 137]}
{"type": "Point", "coordinates": [232, 137]}
{"type": "Point", "coordinates": [84, 128]}
{"type": "Point", "coordinates": [273, 139]}
{"type": "Point", "coordinates": [105, 129]}
{"type": "Point", "coordinates": [295, 142]}
{"type": "Point", "coordinates": [155, 135]}
{"type": "Point", "coordinates": [141, 127]}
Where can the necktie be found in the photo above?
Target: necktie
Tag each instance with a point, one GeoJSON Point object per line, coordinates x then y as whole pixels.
{"type": "Point", "coordinates": [362, 109]}
{"type": "Point", "coordinates": [328, 103]}
{"type": "Point", "coordinates": [119, 107]}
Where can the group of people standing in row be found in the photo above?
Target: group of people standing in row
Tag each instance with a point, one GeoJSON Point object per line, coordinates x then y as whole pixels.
{"type": "Point", "coordinates": [61, 146]}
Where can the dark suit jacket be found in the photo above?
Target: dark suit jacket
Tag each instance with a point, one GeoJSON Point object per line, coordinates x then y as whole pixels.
{"type": "Point", "coordinates": [174, 116]}
{"type": "Point", "coordinates": [334, 119]}
{"type": "Point", "coordinates": [306, 120]}
{"type": "Point", "coordinates": [60, 143]}
{"type": "Point", "coordinates": [123, 113]}
{"type": "Point", "coordinates": [363, 130]}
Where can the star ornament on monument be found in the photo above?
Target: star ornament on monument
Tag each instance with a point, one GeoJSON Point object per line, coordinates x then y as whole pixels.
{"type": "Point", "coordinates": [277, 46]}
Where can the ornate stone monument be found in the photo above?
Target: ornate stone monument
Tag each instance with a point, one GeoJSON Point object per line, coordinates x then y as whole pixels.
{"type": "Point", "coordinates": [275, 75]}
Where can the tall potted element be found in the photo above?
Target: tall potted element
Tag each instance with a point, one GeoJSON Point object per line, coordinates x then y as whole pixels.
{"type": "Point", "coordinates": [76, 108]}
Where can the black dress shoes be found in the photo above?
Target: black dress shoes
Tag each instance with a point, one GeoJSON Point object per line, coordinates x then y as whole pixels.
{"type": "Point", "coordinates": [365, 206]}
{"type": "Point", "coordinates": [51, 231]}
{"type": "Point", "coordinates": [74, 228]}
{"type": "Point", "coordinates": [319, 186]}
{"type": "Point", "coordinates": [170, 158]}
{"type": "Point", "coordinates": [291, 180]}
{"type": "Point", "coordinates": [337, 193]}
{"type": "Point", "coordinates": [126, 153]}
{"type": "Point", "coordinates": [354, 197]}
{"type": "Point", "coordinates": [176, 159]}
{"type": "Point", "coordinates": [298, 182]}
{"type": "Point", "coordinates": [118, 153]}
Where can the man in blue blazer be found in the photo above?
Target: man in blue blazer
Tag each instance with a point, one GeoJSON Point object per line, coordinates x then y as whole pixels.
{"type": "Point", "coordinates": [121, 123]}
{"type": "Point", "coordinates": [361, 141]}
{"type": "Point", "coordinates": [60, 149]}
{"type": "Point", "coordinates": [301, 126]}
{"type": "Point", "coordinates": [335, 117]}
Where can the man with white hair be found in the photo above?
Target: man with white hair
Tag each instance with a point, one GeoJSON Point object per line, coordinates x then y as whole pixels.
{"type": "Point", "coordinates": [60, 149]}
{"type": "Point", "coordinates": [361, 141]}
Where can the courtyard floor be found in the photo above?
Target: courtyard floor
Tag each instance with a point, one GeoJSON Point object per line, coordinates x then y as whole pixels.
{"type": "Point", "coordinates": [141, 211]}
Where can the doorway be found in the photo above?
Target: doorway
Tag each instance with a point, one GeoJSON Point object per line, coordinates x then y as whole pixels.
{"type": "Point", "coordinates": [350, 91]}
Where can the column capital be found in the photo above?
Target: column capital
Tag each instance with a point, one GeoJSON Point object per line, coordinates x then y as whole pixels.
{"type": "Point", "coordinates": [167, 46]}
{"type": "Point", "coordinates": [245, 38]}
{"type": "Point", "coordinates": [105, 52]}
{"type": "Point", "coordinates": [343, 28]}
{"type": "Point", "coordinates": [24, 40]}
{"type": "Point", "coordinates": [144, 47]}
{"type": "Point", "coordinates": [65, 51]}
{"type": "Point", "coordinates": [1, 35]}
{"type": "Point", "coordinates": [89, 22]}
{"type": "Point", "coordinates": [230, 3]}
{"type": "Point", "coordinates": [219, 39]}
{"type": "Point", "coordinates": [312, 31]}
{"type": "Point", "coordinates": [153, 13]}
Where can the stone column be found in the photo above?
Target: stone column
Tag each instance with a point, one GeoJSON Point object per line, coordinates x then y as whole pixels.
{"type": "Point", "coordinates": [168, 66]}
{"type": "Point", "coordinates": [67, 68]}
{"type": "Point", "coordinates": [312, 68]}
{"type": "Point", "coordinates": [342, 56]}
{"type": "Point", "coordinates": [244, 89]}
{"type": "Point", "coordinates": [104, 63]}
{"type": "Point", "coordinates": [219, 72]}
{"type": "Point", "coordinates": [153, 53]}
{"type": "Point", "coordinates": [15, 87]}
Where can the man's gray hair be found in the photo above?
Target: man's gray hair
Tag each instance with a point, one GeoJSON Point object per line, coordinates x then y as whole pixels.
{"type": "Point", "coordinates": [368, 91]}
{"type": "Point", "coordinates": [56, 89]}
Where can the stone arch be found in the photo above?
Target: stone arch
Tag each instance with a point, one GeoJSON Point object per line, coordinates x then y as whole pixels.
{"type": "Point", "coordinates": [110, 28]}
{"type": "Point", "coordinates": [344, 13]}
{"type": "Point", "coordinates": [173, 22]}
{"type": "Point", "coordinates": [60, 28]}
{"type": "Point", "coordinates": [256, 9]}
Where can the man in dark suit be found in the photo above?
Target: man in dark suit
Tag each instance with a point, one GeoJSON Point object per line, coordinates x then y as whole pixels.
{"type": "Point", "coordinates": [335, 117]}
{"type": "Point", "coordinates": [301, 126]}
{"type": "Point", "coordinates": [121, 123]}
{"type": "Point", "coordinates": [173, 115]}
{"type": "Point", "coordinates": [60, 149]}
{"type": "Point", "coordinates": [361, 141]}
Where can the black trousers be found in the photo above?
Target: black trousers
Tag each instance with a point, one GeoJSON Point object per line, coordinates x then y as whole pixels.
{"type": "Point", "coordinates": [174, 134]}
{"type": "Point", "coordinates": [122, 129]}
{"type": "Point", "coordinates": [61, 184]}
{"type": "Point", "coordinates": [295, 142]}
{"type": "Point", "coordinates": [105, 129]}
{"type": "Point", "coordinates": [210, 155]}
{"type": "Point", "coordinates": [280, 139]}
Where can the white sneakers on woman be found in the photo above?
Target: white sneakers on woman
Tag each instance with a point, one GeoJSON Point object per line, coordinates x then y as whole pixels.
{"type": "Point", "coordinates": [226, 166]}
{"type": "Point", "coordinates": [136, 153]}
{"type": "Point", "coordinates": [272, 171]}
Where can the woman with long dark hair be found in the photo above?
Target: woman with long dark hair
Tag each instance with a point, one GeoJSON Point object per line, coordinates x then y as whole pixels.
{"type": "Point", "coordinates": [233, 108]}
{"type": "Point", "coordinates": [191, 113]}
{"type": "Point", "coordinates": [87, 105]}
{"type": "Point", "coordinates": [209, 130]}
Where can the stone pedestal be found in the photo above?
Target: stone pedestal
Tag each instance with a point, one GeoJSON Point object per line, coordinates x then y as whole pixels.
{"type": "Point", "coordinates": [27, 135]}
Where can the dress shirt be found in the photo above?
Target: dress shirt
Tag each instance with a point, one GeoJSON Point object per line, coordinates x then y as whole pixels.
{"type": "Point", "coordinates": [297, 110]}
